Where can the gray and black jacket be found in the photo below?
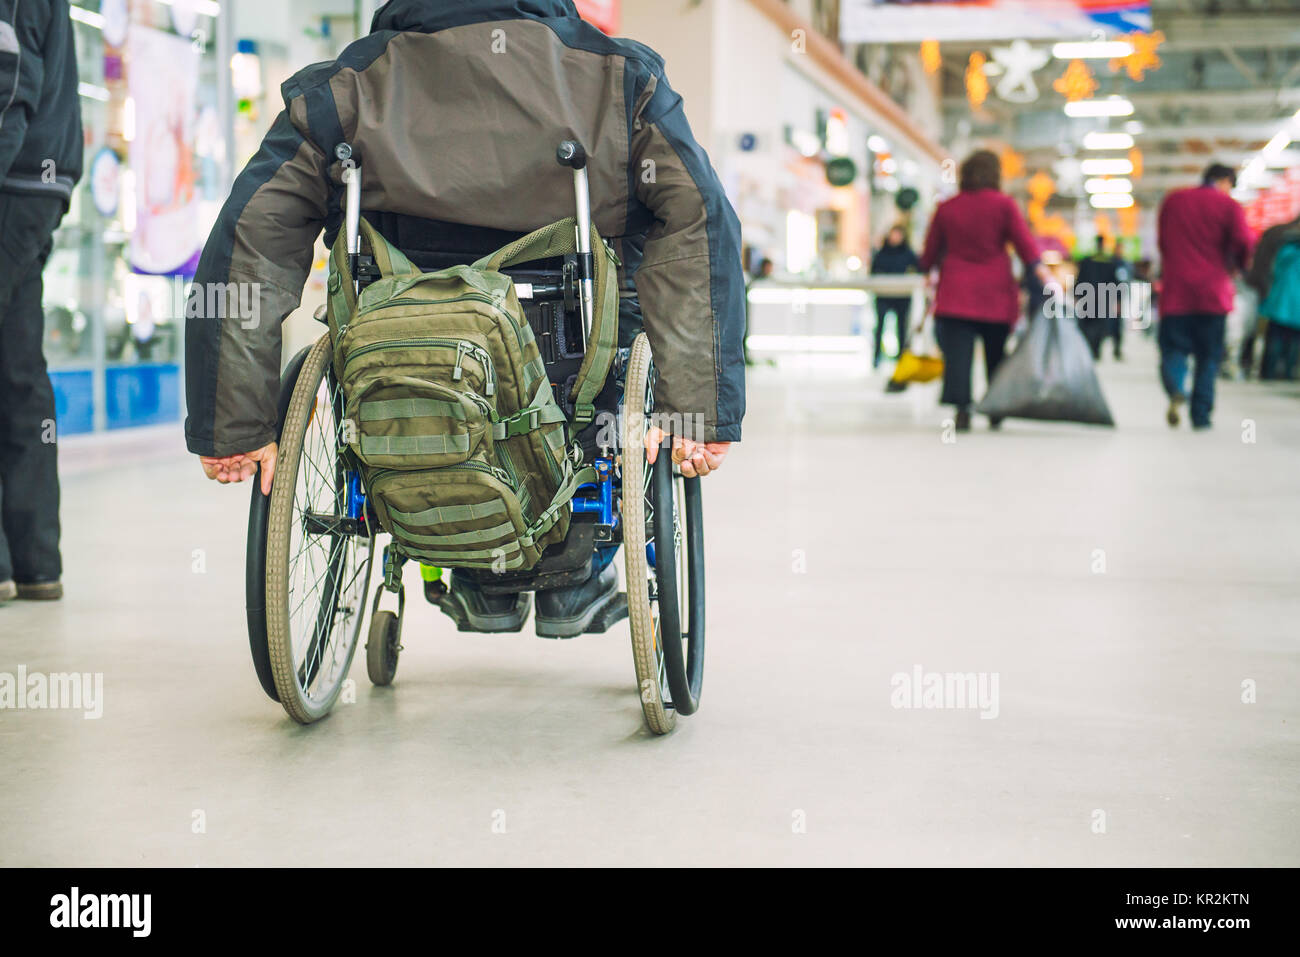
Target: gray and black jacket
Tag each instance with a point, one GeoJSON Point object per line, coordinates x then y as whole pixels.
{"type": "Point", "coordinates": [455, 110]}
{"type": "Point", "coordinates": [40, 113]}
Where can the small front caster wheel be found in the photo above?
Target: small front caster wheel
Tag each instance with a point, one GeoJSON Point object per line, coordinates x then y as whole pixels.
{"type": "Point", "coordinates": [383, 647]}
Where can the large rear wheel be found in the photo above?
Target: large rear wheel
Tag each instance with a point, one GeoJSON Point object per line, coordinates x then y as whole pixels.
{"type": "Point", "coordinates": [663, 543]}
{"type": "Point", "coordinates": [318, 560]}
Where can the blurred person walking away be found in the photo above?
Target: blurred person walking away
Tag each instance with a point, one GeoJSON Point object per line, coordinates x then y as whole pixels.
{"type": "Point", "coordinates": [977, 297]}
{"type": "Point", "coordinates": [895, 257]}
{"type": "Point", "coordinates": [764, 271]}
{"type": "Point", "coordinates": [40, 162]}
{"type": "Point", "coordinates": [1270, 267]}
{"type": "Point", "coordinates": [1098, 302]}
{"type": "Point", "coordinates": [1203, 240]}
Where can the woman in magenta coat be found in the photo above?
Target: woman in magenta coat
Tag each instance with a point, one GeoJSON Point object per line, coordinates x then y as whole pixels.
{"type": "Point", "coordinates": [978, 296]}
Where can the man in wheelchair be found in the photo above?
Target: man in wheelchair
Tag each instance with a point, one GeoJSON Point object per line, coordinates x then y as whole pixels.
{"type": "Point", "coordinates": [453, 110]}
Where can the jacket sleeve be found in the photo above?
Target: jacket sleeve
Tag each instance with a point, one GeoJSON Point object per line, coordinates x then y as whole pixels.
{"type": "Point", "coordinates": [249, 278]}
{"type": "Point", "coordinates": [690, 283]}
{"type": "Point", "coordinates": [1241, 242]}
{"type": "Point", "coordinates": [935, 243]}
{"type": "Point", "coordinates": [1020, 236]}
{"type": "Point", "coordinates": [23, 27]}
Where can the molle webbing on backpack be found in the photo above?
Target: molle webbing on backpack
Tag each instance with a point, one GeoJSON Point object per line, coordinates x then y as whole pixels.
{"type": "Point", "coordinates": [464, 450]}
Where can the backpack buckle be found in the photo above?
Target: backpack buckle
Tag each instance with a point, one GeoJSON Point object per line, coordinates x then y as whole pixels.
{"type": "Point", "coordinates": [530, 420]}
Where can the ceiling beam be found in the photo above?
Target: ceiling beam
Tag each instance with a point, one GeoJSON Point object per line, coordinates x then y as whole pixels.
{"type": "Point", "coordinates": [1196, 31]}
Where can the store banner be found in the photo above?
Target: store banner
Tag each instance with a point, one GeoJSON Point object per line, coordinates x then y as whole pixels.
{"type": "Point", "coordinates": [911, 21]}
{"type": "Point", "coordinates": [162, 78]}
{"type": "Point", "coordinates": [600, 13]}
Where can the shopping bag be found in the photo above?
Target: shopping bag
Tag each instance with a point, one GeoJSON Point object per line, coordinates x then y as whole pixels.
{"type": "Point", "coordinates": [1050, 376]}
{"type": "Point", "coordinates": [920, 361]}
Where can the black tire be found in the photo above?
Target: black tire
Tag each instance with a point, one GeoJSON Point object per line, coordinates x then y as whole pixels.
{"type": "Point", "coordinates": [255, 554]}
{"type": "Point", "coordinates": [383, 645]}
{"type": "Point", "coordinates": [679, 518]}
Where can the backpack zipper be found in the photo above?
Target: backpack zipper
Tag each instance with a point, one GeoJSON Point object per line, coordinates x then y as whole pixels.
{"type": "Point", "coordinates": [463, 348]}
{"type": "Point", "coordinates": [501, 475]}
{"type": "Point", "coordinates": [408, 301]}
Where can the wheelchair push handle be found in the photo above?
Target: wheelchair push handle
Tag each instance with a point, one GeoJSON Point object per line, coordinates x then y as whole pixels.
{"type": "Point", "coordinates": [571, 154]}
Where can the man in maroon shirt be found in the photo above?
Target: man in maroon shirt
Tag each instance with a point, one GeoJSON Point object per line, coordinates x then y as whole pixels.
{"type": "Point", "coordinates": [1203, 240]}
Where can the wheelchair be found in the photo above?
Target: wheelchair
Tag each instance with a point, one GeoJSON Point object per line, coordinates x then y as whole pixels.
{"type": "Point", "coordinates": [313, 543]}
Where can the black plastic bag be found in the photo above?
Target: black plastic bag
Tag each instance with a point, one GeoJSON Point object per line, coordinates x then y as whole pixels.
{"type": "Point", "coordinates": [1050, 376]}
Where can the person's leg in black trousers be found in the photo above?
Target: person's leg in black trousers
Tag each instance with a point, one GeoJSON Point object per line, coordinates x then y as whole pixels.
{"type": "Point", "coordinates": [994, 335]}
{"type": "Point", "coordinates": [1290, 349]}
{"type": "Point", "coordinates": [1208, 336]}
{"type": "Point", "coordinates": [901, 310]}
{"type": "Point", "coordinates": [957, 341]}
{"type": "Point", "coordinates": [29, 481]}
{"type": "Point", "coordinates": [1093, 332]}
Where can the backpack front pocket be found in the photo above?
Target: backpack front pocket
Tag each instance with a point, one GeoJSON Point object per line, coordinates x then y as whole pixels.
{"type": "Point", "coordinates": [404, 422]}
{"type": "Point", "coordinates": [464, 516]}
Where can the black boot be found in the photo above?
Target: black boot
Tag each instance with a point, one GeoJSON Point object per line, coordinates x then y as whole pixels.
{"type": "Point", "coordinates": [963, 420]}
{"type": "Point", "coordinates": [473, 610]}
{"type": "Point", "coordinates": [566, 612]}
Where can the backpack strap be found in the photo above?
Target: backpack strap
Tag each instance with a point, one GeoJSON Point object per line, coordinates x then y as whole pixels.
{"type": "Point", "coordinates": [342, 294]}
{"type": "Point", "coordinates": [560, 239]}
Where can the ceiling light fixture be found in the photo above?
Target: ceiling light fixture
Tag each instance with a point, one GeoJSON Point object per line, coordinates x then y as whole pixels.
{"type": "Point", "coordinates": [1107, 141]}
{"type": "Point", "coordinates": [1106, 167]}
{"type": "Point", "coordinates": [1110, 106]}
{"type": "Point", "coordinates": [1092, 50]}
{"type": "Point", "coordinates": [1111, 200]}
{"type": "Point", "coordinates": [1108, 184]}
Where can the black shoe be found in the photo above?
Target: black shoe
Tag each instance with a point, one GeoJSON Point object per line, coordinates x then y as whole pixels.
{"type": "Point", "coordinates": [963, 420]}
{"type": "Point", "coordinates": [435, 591]}
{"type": "Point", "coordinates": [995, 423]}
{"type": "Point", "coordinates": [891, 386]}
{"type": "Point", "coordinates": [473, 610]}
{"type": "Point", "coordinates": [40, 591]}
{"type": "Point", "coordinates": [566, 612]}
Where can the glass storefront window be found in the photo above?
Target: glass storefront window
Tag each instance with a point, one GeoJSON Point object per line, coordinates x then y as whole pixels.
{"type": "Point", "coordinates": [113, 332]}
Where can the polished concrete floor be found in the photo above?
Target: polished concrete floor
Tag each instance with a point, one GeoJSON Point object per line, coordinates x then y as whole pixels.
{"type": "Point", "coordinates": [1124, 587]}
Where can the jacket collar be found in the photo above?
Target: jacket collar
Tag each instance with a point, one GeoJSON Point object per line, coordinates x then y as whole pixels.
{"type": "Point", "coordinates": [430, 16]}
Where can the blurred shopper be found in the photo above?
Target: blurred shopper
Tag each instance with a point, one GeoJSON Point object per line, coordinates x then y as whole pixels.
{"type": "Point", "coordinates": [1275, 263]}
{"type": "Point", "coordinates": [1099, 302]}
{"type": "Point", "coordinates": [978, 297]}
{"type": "Point", "coordinates": [1203, 239]}
{"type": "Point", "coordinates": [895, 257]}
{"type": "Point", "coordinates": [764, 271]}
{"type": "Point", "coordinates": [40, 163]}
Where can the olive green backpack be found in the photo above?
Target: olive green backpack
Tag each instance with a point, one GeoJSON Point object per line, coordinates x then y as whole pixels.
{"type": "Point", "coordinates": [465, 453]}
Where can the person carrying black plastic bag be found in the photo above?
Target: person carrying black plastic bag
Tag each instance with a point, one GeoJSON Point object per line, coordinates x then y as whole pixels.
{"type": "Point", "coordinates": [977, 295]}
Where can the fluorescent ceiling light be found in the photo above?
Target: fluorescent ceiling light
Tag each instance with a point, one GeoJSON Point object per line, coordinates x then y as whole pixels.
{"type": "Point", "coordinates": [1092, 50]}
{"type": "Point", "coordinates": [1106, 167]}
{"type": "Point", "coordinates": [1111, 200]}
{"type": "Point", "coordinates": [89, 17]}
{"type": "Point", "coordinates": [1107, 141]}
{"type": "Point", "coordinates": [1110, 106]}
{"type": "Point", "coordinates": [1277, 144]}
{"type": "Point", "coordinates": [93, 92]}
{"type": "Point", "coordinates": [1108, 185]}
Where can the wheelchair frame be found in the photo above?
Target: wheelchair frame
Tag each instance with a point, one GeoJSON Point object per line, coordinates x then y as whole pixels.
{"type": "Point", "coordinates": [665, 586]}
